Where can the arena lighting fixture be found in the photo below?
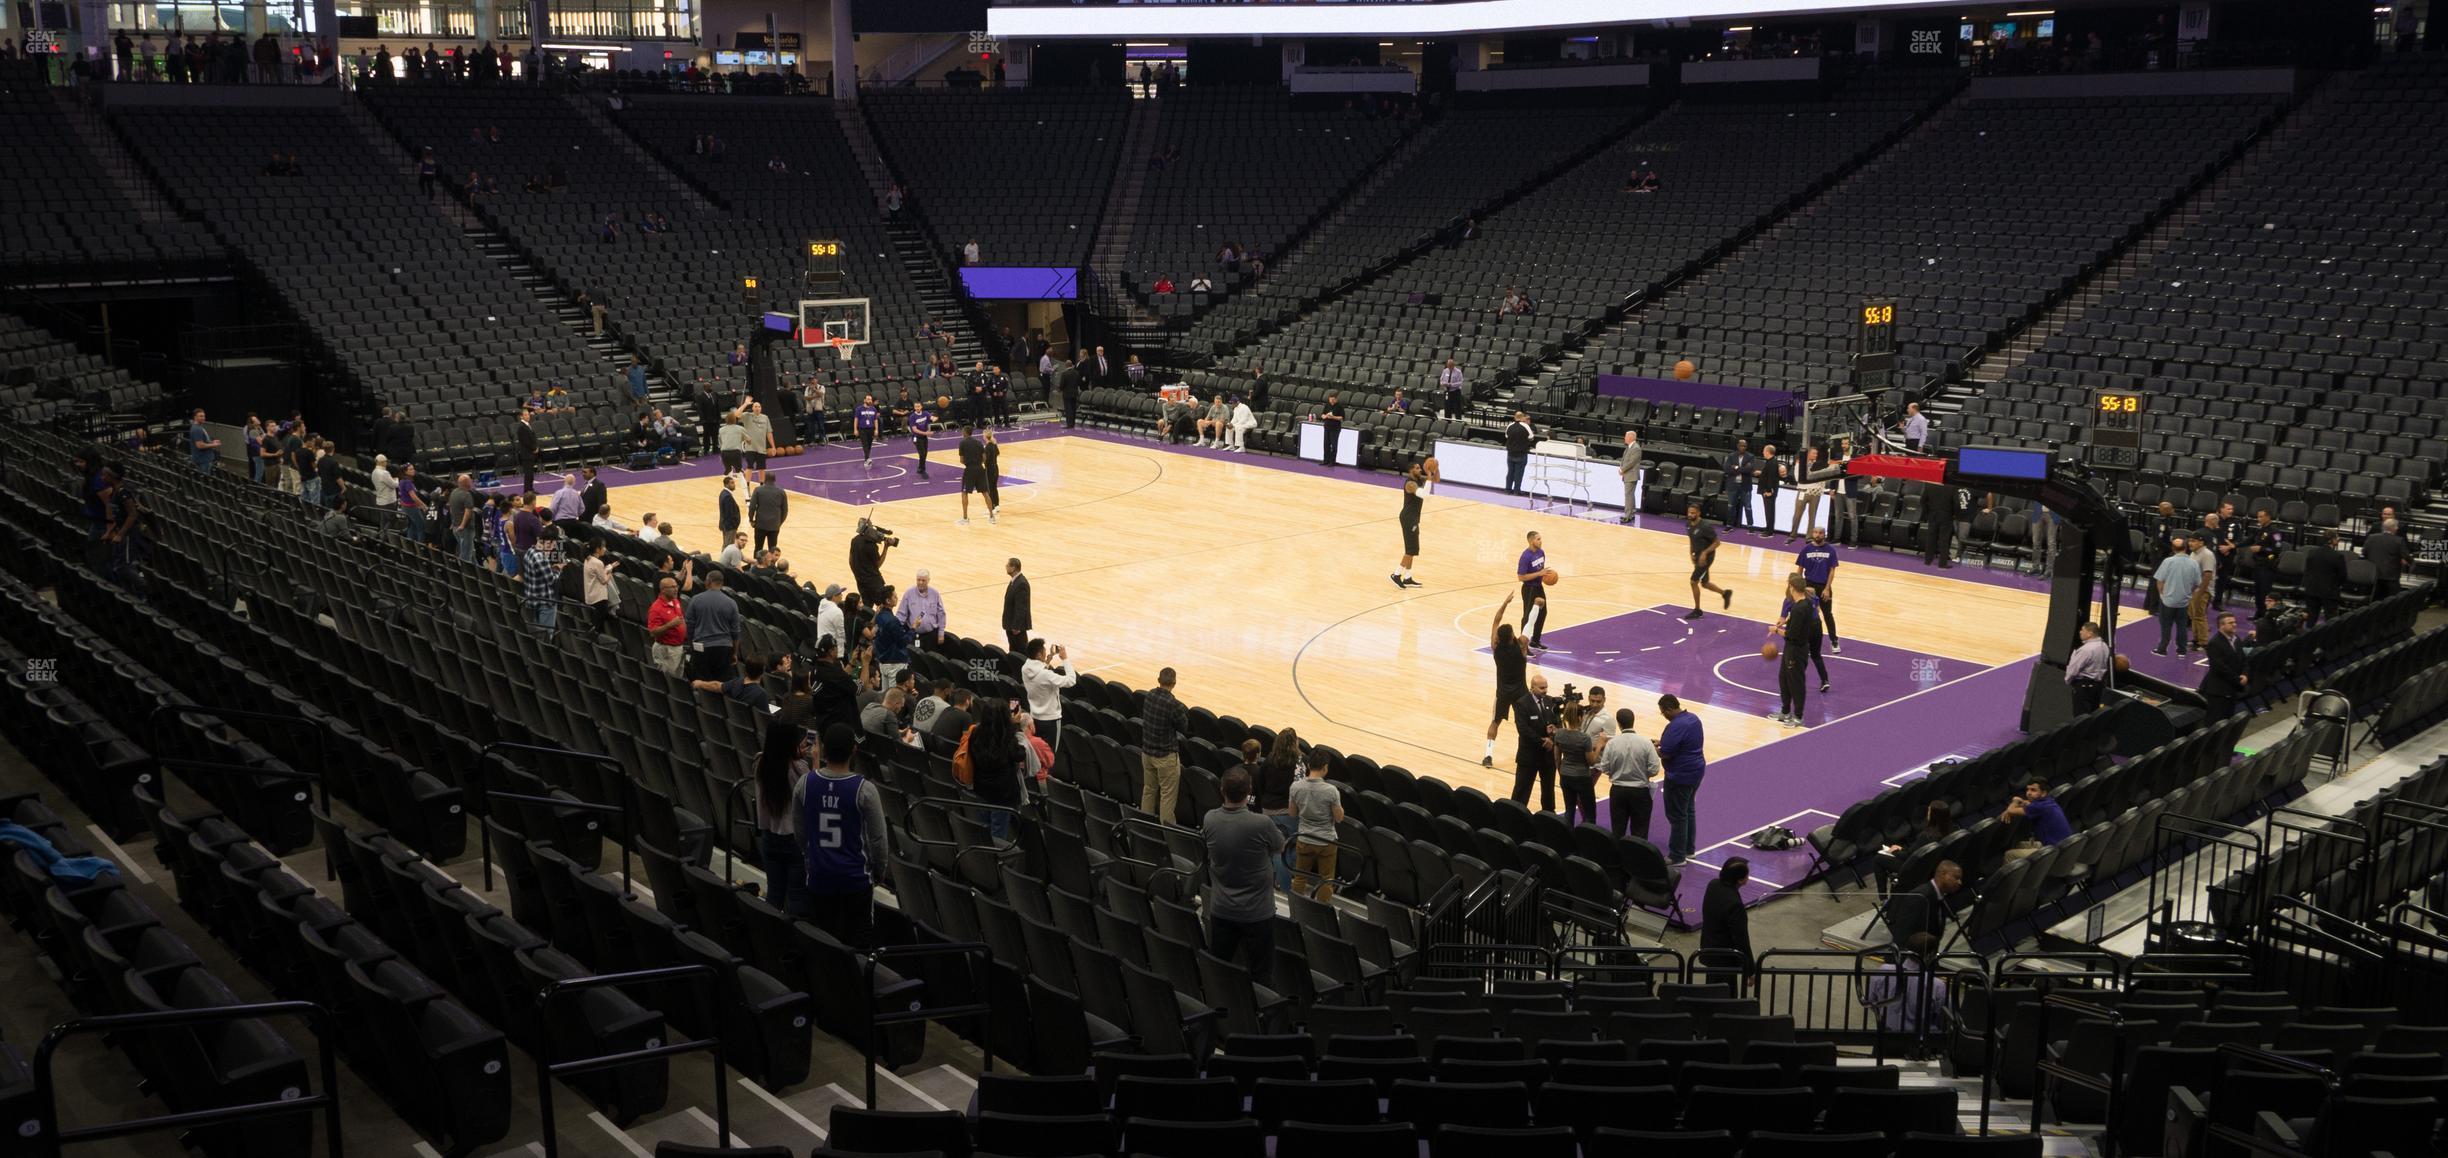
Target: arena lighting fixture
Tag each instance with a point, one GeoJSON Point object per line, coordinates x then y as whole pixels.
{"type": "Point", "coordinates": [587, 47]}
{"type": "Point", "coordinates": [2035, 12]}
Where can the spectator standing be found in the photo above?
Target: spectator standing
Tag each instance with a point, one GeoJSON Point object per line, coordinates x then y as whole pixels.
{"type": "Point", "coordinates": [667, 625]}
{"type": "Point", "coordinates": [997, 765]}
{"type": "Point", "coordinates": [1044, 682]}
{"type": "Point", "coordinates": [460, 512]}
{"type": "Point", "coordinates": [727, 512]}
{"type": "Point", "coordinates": [712, 626]}
{"type": "Point", "coordinates": [202, 448]}
{"type": "Point", "coordinates": [1450, 380]}
{"type": "Point", "coordinates": [637, 379]}
{"type": "Point", "coordinates": [1016, 621]}
{"type": "Point", "coordinates": [386, 486]}
{"type": "Point", "coordinates": [1518, 438]}
{"type": "Point", "coordinates": [525, 437]}
{"type": "Point", "coordinates": [1630, 763]}
{"type": "Point", "coordinates": [1271, 777]}
{"type": "Point", "coordinates": [1685, 766]}
{"type": "Point", "coordinates": [2174, 583]}
{"type": "Point", "coordinates": [1533, 755]}
{"type": "Point", "coordinates": [844, 842]}
{"type": "Point", "coordinates": [768, 509]}
{"type": "Point", "coordinates": [1241, 894]}
{"type": "Point", "coordinates": [1317, 803]}
{"type": "Point", "coordinates": [2324, 579]}
{"type": "Point", "coordinates": [2386, 549]}
{"type": "Point", "coordinates": [892, 639]}
{"type": "Point", "coordinates": [923, 610]}
{"type": "Point", "coordinates": [540, 573]}
{"type": "Point", "coordinates": [1573, 751]}
{"type": "Point", "coordinates": [598, 584]}
{"type": "Point", "coordinates": [2086, 673]}
{"type": "Point", "coordinates": [1629, 469]}
{"type": "Point", "coordinates": [779, 849]}
{"type": "Point", "coordinates": [1161, 719]}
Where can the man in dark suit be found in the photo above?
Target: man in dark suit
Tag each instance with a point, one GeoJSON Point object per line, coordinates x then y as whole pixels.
{"type": "Point", "coordinates": [591, 498]}
{"type": "Point", "coordinates": [1101, 369]}
{"type": "Point", "coordinates": [1534, 759]}
{"type": "Point", "coordinates": [2387, 551]}
{"type": "Point", "coordinates": [526, 436]}
{"type": "Point", "coordinates": [709, 415]}
{"type": "Point", "coordinates": [1016, 622]}
{"type": "Point", "coordinates": [2324, 579]}
{"type": "Point", "coordinates": [1939, 506]}
{"type": "Point", "coordinates": [1258, 389]}
{"type": "Point", "coordinates": [1925, 909]}
{"type": "Point", "coordinates": [1725, 924]}
{"type": "Point", "coordinates": [1740, 469]}
{"type": "Point", "coordinates": [2258, 544]}
{"type": "Point", "coordinates": [380, 431]}
{"type": "Point", "coordinates": [2227, 680]}
{"type": "Point", "coordinates": [1069, 383]}
{"type": "Point", "coordinates": [1518, 440]}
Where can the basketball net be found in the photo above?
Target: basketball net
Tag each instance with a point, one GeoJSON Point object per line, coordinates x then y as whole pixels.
{"type": "Point", "coordinates": [841, 348]}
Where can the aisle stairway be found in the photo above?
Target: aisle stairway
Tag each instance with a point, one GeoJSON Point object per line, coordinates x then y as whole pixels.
{"type": "Point", "coordinates": [588, 107]}
{"type": "Point", "coordinates": [2121, 270]}
{"type": "Point", "coordinates": [126, 178]}
{"type": "Point", "coordinates": [1139, 327]}
{"type": "Point", "coordinates": [661, 391]}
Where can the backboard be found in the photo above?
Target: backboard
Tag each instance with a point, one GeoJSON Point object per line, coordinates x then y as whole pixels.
{"type": "Point", "coordinates": [838, 323]}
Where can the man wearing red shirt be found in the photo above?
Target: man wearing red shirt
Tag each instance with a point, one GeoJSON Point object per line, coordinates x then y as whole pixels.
{"type": "Point", "coordinates": [666, 627]}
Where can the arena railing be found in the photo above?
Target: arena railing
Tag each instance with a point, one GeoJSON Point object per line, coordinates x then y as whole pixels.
{"type": "Point", "coordinates": [51, 1140]}
{"type": "Point", "coordinates": [2028, 973]}
{"type": "Point", "coordinates": [702, 984]}
{"type": "Point", "coordinates": [2418, 962]}
{"type": "Point", "coordinates": [2321, 957]}
{"type": "Point", "coordinates": [2197, 855]}
{"type": "Point", "coordinates": [2050, 1070]}
{"type": "Point", "coordinates": [485, 796]}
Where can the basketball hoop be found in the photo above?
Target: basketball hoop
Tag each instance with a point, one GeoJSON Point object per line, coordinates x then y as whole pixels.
{"type": "Point", "coordinates": [841, 348]}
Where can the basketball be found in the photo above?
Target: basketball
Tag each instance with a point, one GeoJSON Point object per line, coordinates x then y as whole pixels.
{"type": "Point", "coordinates": [1430, 468]}
{"type": "Point", "coordinates": [2123, 664]}
{"type": "Point", "coordinates": [1684, 370]}
{"type": "Point", "coordinates": [1549, 577]}
{"type": "Point", "coordinates": [1768, 649]}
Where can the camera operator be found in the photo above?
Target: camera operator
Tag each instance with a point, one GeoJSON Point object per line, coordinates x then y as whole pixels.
{"type": "Point", "coordinates": [868, 549]}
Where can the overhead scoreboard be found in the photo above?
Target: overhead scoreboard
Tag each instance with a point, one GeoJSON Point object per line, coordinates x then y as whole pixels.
{"type": "Point", "coordinates": [2117, 419]}
{"type": "Point", "coordinates": [1874, 345]}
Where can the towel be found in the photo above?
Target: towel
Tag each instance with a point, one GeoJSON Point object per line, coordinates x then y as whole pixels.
{"type": "Point", "coordinates": [65, 868]}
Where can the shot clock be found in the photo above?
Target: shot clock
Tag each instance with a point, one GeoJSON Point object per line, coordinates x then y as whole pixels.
{"type": "Point", "coordinates": [2116, 429]}
{"type": "Point", "coordinates": [1874, 346]}
{"type": "Point", "coordinates": [824, 256]}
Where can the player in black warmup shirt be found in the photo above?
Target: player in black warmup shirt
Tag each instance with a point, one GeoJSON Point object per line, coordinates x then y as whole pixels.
{"type": "Point", "coordinates": [1413, 480]}
{"type": "Point", "coordinates": [1704, 555]}
{"type": "Point", "coordinates": [1512, 674]}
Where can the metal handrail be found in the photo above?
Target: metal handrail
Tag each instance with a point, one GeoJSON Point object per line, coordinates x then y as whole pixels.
{"type": "Point", "coordinates": [548, 1069]}
{"type": "Point", "coordinates": [2046, 1068]}
{"type": "Point", "coordinates": [485, 794]}
{"type": "Point", "coordinates": [318, 1020]}
{"type": "Point", "coordinates": [982, 1008]}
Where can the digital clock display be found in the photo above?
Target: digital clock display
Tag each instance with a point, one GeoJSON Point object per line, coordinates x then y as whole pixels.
{"type": "Point", "coordinates": [1882, 314]}
{"type": "Point", "coordinates": [2117, 411]}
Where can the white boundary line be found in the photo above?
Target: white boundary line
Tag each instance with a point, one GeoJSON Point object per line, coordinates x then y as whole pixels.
{"type": "Point", "coordinates": [119, 856]}
{"type": "Point", "coordinates": [850, 1099]}
{"type": "Point", "coordinates": [707, 1120]}
{"type": "Point", "coordinates": [914, 1091]}
{"type": "Point", "coordinates": [423, 1150]}
{"type": "Point", "coordinates": [618, 1135]}
{"type": "Point", "coordinates": [784, 1108]}
{"type": "Point", "coordinates": [958, 1076]}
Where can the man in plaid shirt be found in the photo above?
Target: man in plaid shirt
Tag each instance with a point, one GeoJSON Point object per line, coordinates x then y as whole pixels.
{"type": "Point", "coordinates": [540, 570]}
{"type": "Point", "coordinates": [1161, 718]}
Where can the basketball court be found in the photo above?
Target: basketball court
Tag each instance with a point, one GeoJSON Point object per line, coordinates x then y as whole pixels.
{"type": "Point", "coordinates": [1265, 582]}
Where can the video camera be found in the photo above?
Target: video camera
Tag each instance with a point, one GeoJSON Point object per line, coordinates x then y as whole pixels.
{"type": "Point", "coordinates": [868, 531]}
{"type": "Point", "coordinates": [1570, 695]}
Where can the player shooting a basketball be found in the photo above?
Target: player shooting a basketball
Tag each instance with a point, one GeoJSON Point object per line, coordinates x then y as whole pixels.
{"type": "Point", "coordinates": [1535, 578]}
{"type": "Point", "coordinates": [1704, 555]}
{"type": "Point", "coordinates": [1414, 481]}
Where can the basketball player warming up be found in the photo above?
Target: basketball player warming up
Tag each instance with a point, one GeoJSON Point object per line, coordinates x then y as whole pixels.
{"type": "Point", "coordinates": [1704, 555]}
{"type": "Point", "coordinates": [1532, 572]}
{"type": "Point", "coordinates": [1512, 674]}
{"type": "Point", "coordinates": [1413, 481]}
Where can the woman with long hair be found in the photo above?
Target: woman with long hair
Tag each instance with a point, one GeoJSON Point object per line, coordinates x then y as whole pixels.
{"type": "Point", "coordinates": [789, 753]}
{"type": "Point", "coordinates": [1272, 778]}
{"type": "Point", "coordinates": [995, 763]}
{"type": "Point", "coordinates": [1512, 675]}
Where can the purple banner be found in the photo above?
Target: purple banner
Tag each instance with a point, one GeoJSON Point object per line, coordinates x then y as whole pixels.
{"type": "Point", "coordinates": [1753, 399]}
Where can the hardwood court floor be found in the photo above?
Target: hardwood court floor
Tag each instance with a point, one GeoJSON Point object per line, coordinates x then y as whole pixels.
{"type": "Point", "coordinates": [1268, 590]}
